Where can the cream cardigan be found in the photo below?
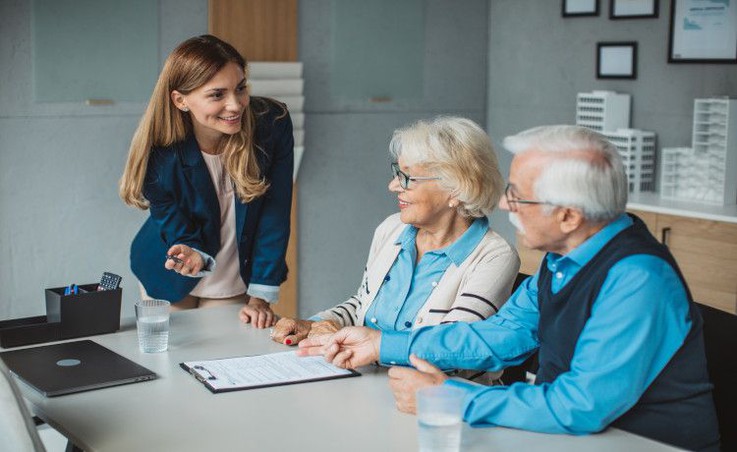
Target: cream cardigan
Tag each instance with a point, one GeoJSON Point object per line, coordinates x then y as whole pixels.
{"type": "Point", "coordinates": [472, 291]}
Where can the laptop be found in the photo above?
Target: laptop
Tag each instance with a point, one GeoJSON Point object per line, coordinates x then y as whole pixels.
{"type": "Point", "coordinates": [59, 369]}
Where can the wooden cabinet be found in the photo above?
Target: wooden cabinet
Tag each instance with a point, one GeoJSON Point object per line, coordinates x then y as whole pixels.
{"type": "Point", "coordinates": [705, 250]}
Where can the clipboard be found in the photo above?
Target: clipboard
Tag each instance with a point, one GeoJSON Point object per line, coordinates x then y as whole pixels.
{"type": "Point", "coordinates": [263, 371]}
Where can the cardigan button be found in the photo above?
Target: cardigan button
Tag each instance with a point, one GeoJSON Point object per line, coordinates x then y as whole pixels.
{"type": "Point", "coordinates": [373, 319]}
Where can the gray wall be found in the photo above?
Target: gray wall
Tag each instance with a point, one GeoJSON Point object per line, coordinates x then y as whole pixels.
{"type": "Point", "coordinates": [538, 61]}
{"type": "Point", "coordinates": [343, 180]}
{"type": "Point", "coordinates": [61, 220]}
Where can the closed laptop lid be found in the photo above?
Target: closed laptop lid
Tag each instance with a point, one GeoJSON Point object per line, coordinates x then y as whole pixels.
{"type": "Point", "coordinates": [72, 367]}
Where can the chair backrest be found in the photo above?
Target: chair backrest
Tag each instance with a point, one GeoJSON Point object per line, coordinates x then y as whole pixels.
{"type": "Point", "coordinates": [720, 342]}
{"type": "Point", "coordinates": [17, 429]}
{"type": "Point", "coordinates": [518, 280]}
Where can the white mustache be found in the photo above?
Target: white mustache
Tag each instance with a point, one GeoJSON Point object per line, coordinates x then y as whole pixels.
{"type": "Point", "coordinates": [514, 219]}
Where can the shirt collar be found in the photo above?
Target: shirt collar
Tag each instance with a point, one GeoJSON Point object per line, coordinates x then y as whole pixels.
{"type": "Point", "coordinates": [457, 251]}
{"type": "Point", "coordinates": [586, 251]}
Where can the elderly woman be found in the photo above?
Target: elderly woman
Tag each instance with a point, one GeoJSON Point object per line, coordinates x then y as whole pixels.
{"type": "Point", "coordinates": [437, 260]}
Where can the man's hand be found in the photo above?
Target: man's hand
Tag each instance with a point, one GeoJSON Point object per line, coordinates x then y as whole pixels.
{"type": "Point", "coordinates": [258, 313]}
{"type": "Point", "coordinates": [349, 348]}
{"type": "Point", "coordinates": [290, 331]}
{"type": "Point", "coordinates": [405, 382]}
{"type": "Point", "coordinates": [188, 261]}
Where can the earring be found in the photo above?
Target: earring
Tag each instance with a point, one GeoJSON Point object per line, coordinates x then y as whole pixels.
{"type": "Point", "coordinates": [452, 205]}
{"type": "Point", "coordinates": [185, 109]}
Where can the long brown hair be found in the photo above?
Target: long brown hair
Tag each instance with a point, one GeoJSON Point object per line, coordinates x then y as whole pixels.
{"type": "Point", "coordinates": [192, 64]}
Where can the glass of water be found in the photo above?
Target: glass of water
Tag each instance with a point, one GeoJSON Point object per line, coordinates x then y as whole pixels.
{"type": "Point", "coordinates": [152, 322]}
{"type": "Point", "coordinates": [439, 417]}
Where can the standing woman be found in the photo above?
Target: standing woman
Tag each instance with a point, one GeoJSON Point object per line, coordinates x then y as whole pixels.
{"type": "Point", "coordinates": [214, 167]}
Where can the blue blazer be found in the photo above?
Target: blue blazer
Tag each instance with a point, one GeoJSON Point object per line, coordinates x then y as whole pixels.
{"type": "Point", "coordinates": [184, 209]}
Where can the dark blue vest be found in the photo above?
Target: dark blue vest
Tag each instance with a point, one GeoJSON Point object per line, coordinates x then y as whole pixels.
{"type": "Point", "coordinates": [677, 408]}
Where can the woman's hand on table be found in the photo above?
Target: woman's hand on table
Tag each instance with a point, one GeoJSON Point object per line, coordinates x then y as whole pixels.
{"type": "Point", "coordinates": [290, 331]}
{"type": "Point", "coordinates": [258, 313]}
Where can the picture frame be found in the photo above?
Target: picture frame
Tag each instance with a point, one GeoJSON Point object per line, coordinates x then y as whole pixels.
{"type": "Point", "coordinates": [580, 8]}
{"type": "Point", "coordinates": [633, 9]}
{"type": "Point", "coordinates": [703, 35]}
{"type": "Point", "coordinates": [616, 60]}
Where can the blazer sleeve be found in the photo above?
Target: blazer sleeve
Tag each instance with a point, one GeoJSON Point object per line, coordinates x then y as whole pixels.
{"type": "Point", "coordinates": [271, 237]}
{"type": "Point", "coordinates": [174, 226]}
{"type": "Point", "coordinates": [485, 288]}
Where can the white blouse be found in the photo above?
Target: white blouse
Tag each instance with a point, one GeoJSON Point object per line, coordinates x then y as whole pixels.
{"type": "Point", "coordinates": [225, 281]}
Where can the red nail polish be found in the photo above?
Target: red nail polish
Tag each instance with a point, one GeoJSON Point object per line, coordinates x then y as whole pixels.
{"type": "Point", "coordinates": [288, 342]}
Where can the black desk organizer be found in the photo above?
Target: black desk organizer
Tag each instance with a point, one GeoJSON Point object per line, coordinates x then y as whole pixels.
{"type": "Point", "coordinates": [67, 316]}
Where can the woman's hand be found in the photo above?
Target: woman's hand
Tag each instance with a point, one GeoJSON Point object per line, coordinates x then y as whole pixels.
{"type": "Point", "coordinates": [290, 331]}
{"type": "Point", "coordinates": [187, 262]}
{"type": "Point", "coordinates": [258, 313]}
{"type": "Point", "coordinates": [323, 327]}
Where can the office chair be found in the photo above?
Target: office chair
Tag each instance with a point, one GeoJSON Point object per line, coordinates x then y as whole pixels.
{"type": "Point", "coordinates": [17, 428]}
{"type": "Point", "coordinates": [720, 342]}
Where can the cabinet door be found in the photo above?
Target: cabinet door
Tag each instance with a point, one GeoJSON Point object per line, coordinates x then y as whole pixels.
{"type": "Point", "coordinates": [706, 252]}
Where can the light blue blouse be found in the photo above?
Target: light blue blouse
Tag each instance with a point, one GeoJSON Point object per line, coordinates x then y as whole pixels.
{"type": "Point", "coordinates": [409, 283]}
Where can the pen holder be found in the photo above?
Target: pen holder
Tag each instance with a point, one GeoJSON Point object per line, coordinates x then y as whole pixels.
{"type": "Point", "coordinates": [85, 313]}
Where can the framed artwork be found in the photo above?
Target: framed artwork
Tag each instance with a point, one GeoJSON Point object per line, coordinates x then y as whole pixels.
{"type": "Point", "coordinates": [616, 60]}
{"type": "Point", "coordinates": [580, 8]}
{"type": "Point", "coordinates": [703, 33]}
{"type": "Point", "coordinates": [633, 9]}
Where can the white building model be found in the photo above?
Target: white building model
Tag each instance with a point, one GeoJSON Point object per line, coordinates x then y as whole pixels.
{"type": "Point", "coordinates": [608, 113]}
{"type": "Point", "coordinates": [707, 171]}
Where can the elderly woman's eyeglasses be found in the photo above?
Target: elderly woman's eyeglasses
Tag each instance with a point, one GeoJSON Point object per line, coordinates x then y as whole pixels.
{"type": "Point", "coordinates": [513, 202]}
{"type": "Point", "coordinates": [405, 178]}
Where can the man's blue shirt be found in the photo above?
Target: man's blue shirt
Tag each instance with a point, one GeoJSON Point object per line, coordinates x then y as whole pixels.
{"type": "Point", "coordinates": [407, 286]}
{"type": "Point", "coordinates": [638, 322]}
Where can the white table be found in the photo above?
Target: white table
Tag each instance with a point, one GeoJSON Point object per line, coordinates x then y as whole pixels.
{"type": "Point", "coordinates": [177, 413]}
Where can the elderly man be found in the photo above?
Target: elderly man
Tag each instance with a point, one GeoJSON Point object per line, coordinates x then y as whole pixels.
{"type": "Point", "coordinates": [619, 337]}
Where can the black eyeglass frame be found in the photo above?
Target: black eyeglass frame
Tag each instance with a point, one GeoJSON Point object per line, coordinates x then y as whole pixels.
{"type": "Point", "coordinates": [512, 202]}
{"type": "Point", "coordinates": [404, 178]}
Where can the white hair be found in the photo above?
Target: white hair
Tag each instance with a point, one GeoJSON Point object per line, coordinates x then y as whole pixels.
{"type": "Point", "coordinates": [586, 170]}
{"type": "Point", "coordinates": [459, 152]}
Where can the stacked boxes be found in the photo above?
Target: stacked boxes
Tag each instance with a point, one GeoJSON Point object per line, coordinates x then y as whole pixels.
{"type": "Point", "coordinates": [282, 81]}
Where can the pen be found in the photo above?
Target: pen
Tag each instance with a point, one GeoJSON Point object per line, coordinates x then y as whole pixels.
{"type": "Point", "coordinates": [174, 258]}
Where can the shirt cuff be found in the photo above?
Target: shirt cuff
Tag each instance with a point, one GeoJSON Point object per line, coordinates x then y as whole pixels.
{"type": "Point", "coordinates": [394, 348]}
{"type": "Point", "coordinates": [207, 268]}
{"type": "Point", "coordinates": [469, 387]}
{"type": "Point", "coordinates": [268, 293]}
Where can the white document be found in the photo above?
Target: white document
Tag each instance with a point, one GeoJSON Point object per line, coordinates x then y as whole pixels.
{"type": "Point", "coordinates": [248, 372]}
